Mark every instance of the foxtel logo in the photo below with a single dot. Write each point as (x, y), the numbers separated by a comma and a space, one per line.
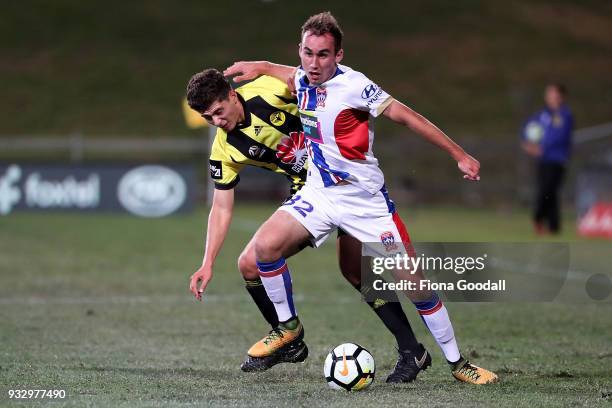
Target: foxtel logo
(41, 193)
(9, 193)
(64, 193)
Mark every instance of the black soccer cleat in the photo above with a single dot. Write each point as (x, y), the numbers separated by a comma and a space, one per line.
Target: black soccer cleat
(294, 352)
(409, 364)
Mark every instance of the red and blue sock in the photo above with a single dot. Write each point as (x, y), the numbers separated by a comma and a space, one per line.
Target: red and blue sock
(276, 278)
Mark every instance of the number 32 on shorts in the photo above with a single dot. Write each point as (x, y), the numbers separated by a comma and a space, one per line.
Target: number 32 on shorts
(302, 206)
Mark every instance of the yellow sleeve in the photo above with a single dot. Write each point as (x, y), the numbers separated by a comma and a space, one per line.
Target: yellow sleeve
(275, 91)
(223, 170)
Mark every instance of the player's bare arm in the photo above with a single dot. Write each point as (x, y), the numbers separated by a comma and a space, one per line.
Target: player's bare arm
(219, 220)
(403, 115)
(247, 70)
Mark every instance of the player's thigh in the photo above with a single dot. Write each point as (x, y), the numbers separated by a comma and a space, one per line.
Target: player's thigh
(280, 235)
(356, 265)
(312, 208)
(384, 234)
(247, 261)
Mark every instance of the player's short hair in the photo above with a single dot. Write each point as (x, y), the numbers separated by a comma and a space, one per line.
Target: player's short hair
(206, 88)
(561, 88)
(324, 23)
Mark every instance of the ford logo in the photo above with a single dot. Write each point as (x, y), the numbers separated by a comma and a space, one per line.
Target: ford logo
(152, 191)
(368, 91)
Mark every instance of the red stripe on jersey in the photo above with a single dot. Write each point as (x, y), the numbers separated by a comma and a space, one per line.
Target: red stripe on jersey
(304, 100)
(351, 132)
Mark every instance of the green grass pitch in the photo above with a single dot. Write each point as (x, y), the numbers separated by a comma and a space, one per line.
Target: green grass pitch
(99, 306)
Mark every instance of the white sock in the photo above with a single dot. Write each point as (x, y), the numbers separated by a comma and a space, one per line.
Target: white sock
(435, 316)
(276, 279)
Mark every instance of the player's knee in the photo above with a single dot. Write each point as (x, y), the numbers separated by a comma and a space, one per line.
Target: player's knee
(267, 248)
(247, 266)
(419, 295)
(266, 251)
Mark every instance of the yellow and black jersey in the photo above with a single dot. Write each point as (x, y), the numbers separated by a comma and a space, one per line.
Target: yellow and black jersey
(271, 136)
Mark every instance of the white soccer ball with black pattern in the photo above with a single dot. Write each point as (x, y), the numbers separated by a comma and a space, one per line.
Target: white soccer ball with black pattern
(349, 367)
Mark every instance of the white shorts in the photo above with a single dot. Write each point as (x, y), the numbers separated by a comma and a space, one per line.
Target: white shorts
(371, 219)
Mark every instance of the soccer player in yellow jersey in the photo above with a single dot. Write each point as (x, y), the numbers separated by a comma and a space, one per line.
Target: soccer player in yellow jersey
(258, 126)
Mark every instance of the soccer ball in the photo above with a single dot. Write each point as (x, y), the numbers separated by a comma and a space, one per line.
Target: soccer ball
(534, 132)
(349, 367)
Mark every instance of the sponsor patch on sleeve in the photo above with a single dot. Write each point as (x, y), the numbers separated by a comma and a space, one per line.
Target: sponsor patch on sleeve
(215, 169)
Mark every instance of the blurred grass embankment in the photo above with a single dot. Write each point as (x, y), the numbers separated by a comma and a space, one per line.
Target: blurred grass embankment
(475, 68)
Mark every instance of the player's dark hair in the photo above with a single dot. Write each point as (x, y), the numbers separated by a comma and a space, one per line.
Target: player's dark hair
(561, 88)
(206, 88)
(324, 23)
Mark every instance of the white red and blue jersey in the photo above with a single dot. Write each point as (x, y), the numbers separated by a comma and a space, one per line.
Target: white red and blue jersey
(337, 117)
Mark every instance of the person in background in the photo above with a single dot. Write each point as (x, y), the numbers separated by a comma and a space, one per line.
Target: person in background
(547, 136)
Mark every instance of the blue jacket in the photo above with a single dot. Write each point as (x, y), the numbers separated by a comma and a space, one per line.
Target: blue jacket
(557, 130)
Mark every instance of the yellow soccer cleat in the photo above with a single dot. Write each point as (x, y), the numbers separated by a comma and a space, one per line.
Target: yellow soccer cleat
(469, 373)
(295, 352)
(276, 340)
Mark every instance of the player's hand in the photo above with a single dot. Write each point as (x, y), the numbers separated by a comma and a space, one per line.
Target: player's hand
(470, 167)
(199, 281)
(244, 70)
(291, 84)
(532, 149)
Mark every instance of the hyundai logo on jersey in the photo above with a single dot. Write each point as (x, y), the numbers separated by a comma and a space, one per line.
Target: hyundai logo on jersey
(368, 91)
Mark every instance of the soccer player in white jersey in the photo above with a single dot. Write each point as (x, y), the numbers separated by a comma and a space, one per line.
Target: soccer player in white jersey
(345, 188)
